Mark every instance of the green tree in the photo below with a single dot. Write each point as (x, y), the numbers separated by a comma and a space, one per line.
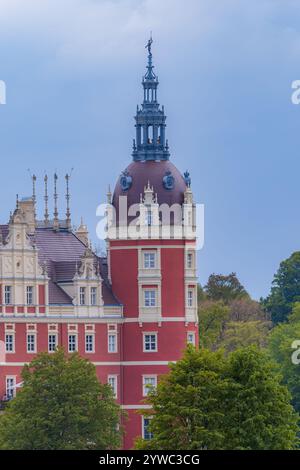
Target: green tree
(211, 401)
(281, 348)
(212, 320)
(224, 288)
(188, 405)
(238, 334)
(259, 415)
(61, 405)
(285, 289)
(240, 323)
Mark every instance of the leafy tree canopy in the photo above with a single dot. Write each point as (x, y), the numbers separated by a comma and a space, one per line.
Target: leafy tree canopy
(61, 405)
(224, 288)
(281, 348)
(211, 401)
(240, 323)
(285, 289)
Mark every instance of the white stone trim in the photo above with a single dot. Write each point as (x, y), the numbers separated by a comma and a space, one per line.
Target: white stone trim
(136, 407)
(112, 363)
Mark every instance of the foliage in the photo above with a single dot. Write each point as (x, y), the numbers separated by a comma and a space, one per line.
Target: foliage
(281, 350)
(212, 320)
(238, 334)
(211, 401)
(225, 288)
(240, 323)
(61, 405)
(285, 289)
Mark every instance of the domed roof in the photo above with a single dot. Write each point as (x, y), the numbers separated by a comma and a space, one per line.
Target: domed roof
(169, 191)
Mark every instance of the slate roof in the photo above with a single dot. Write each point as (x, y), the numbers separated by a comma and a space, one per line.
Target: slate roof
(61, 251)
(152, 172)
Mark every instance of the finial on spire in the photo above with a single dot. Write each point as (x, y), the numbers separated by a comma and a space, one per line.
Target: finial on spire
(46, 214)
(17, 201)
(34, 194)
(109, 195)
(55, 220)
(149, 44)
(68, 212)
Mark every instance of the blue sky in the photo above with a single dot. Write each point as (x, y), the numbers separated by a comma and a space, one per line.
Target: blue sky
(73, 73)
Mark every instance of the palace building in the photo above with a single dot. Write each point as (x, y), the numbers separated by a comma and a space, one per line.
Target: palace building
(131, 312)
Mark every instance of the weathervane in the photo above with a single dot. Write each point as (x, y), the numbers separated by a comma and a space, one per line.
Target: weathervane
(149, 44)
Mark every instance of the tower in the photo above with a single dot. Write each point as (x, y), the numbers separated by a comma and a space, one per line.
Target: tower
(152, 258)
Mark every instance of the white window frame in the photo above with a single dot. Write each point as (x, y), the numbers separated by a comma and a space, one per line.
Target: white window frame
(145, 386)
(12, 334)
(193, 334)
(152, 299)
(33, 334)
(143, 427)
(149, 217)
(93, 296)
(190, 297)
(113, 378)
(150, 333)
(149, 259)
(8, 292)
(190, 260)
(11, 387)
(115, 335)
(82, 295)
(92, 335)
(29, 295)
(56, 341)
(76, 342)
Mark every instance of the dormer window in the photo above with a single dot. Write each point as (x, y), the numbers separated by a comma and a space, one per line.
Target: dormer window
(82, 295)
(149, 217)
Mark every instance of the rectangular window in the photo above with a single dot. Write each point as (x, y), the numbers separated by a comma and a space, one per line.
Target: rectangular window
(190, 298)
(190, 260)
(150, 342)
(191, 338)
(149, 260)
(72, 343)
(10, 387)
(31, 343)
(149, 382)
(52, 342)
(150, 298)
(10, 343)
(147, 434)
(149, 218)
(89, 343)
(7, 295)
(93, 295)
(82, 295)
(29, 295)
(112, 343)
(113, 382)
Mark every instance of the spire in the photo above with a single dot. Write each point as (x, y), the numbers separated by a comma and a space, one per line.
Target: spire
(150, 142)
(68, 212)
(55, 213)
(150, 75)
(34, 194)
(46, 214)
